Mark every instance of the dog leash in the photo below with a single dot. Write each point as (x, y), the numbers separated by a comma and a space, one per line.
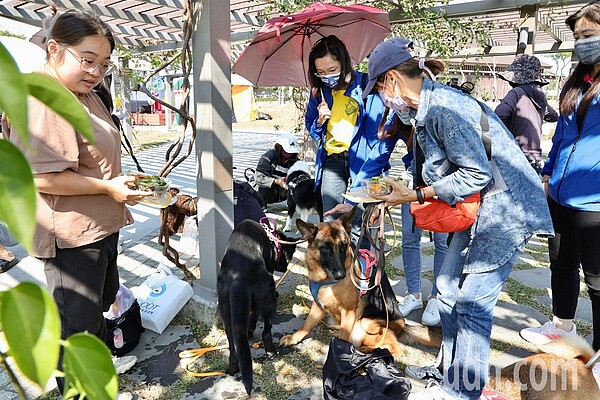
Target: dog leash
(595, 358)
(270, 227)
(195, 354)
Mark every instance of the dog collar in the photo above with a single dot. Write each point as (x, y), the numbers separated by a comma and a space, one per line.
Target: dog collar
(296, 181)
(314, 289)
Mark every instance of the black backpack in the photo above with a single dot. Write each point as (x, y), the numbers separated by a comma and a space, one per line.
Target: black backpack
(247, 203)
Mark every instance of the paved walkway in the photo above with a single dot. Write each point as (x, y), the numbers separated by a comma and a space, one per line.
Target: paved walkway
(159, 372)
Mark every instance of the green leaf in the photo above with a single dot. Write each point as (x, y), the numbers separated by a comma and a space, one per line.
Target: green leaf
(31, 326)
(61, 101)
(14, 93)
(88, 367)
(17, 194)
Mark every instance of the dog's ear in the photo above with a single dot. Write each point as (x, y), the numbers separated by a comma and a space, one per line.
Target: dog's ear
(348, 218)
(307, 230)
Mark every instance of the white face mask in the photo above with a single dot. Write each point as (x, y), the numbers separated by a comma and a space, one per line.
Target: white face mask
(588, 50)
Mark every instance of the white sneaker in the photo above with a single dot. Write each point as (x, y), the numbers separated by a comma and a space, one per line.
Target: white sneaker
(433, 391)
(431, 315)
(545, 333)
(410, 304)
(124, 396)
(124, 364)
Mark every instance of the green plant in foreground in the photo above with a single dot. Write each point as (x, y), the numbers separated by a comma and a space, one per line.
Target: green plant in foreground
(31, 326)
(29, 318)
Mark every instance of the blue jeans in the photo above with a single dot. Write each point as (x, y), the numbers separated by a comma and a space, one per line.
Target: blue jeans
(466, 304)
(411, 252)
(334, 182)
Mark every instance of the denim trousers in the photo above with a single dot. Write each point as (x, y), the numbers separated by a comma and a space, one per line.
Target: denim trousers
(466, 304)
(411, 252)
(334, 181)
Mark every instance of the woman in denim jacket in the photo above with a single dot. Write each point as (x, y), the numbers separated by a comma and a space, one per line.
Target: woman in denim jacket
(343, 125)
(513, 205)
(572, 173)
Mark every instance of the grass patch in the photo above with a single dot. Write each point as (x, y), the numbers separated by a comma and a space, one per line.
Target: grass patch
(520, 294)
(523, 267)
(428, 251)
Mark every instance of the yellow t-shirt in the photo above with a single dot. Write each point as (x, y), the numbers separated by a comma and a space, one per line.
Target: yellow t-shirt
(340, 127)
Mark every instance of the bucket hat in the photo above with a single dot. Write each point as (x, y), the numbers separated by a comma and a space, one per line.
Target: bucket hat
(524, 69)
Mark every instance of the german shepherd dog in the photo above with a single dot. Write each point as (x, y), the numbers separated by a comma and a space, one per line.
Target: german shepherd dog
(329, 259)
(558, 372)
(245, 290)
(301, 194)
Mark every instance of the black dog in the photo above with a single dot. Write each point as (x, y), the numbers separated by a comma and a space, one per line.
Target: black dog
(301, 194)
(246, 289)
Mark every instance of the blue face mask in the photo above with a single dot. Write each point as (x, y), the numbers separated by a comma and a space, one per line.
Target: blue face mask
(588, 50)
(407, 116)
(330, 80)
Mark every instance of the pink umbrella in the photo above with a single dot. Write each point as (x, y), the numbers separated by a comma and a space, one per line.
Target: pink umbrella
(278, 54)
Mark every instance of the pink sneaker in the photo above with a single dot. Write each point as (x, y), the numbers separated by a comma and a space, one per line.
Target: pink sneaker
(488, 394)
(545, 333)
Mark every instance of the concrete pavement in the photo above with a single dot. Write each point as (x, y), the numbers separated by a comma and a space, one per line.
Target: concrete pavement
(159, 370)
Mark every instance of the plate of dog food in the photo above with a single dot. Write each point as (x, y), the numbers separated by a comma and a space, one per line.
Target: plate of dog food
(155, 184)
(375, 185)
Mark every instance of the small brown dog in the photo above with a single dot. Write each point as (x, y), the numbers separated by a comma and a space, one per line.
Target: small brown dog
(185, 206)
(557, 373)
(329, 259)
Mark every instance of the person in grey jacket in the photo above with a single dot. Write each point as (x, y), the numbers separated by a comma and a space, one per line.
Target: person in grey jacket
(271, 171)
(525, 107)
(513, 206)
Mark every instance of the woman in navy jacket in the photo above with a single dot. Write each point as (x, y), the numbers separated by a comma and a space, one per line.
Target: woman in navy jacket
(572, 178)
(343, 125)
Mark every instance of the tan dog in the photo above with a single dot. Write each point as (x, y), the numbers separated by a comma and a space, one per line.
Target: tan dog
(329, 258)
(558, 373)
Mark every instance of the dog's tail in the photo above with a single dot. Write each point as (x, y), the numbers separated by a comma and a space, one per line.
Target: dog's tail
(376, 328)
(418, 334)
(569, 348)
(240, 311)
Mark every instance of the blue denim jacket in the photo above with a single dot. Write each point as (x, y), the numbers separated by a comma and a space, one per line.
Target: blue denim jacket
(513, 205)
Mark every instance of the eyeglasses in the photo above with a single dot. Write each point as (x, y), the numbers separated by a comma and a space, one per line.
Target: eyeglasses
(90, 66)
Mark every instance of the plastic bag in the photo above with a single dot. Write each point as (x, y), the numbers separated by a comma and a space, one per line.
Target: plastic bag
(123, 302)
(189, 238)
(161, 296)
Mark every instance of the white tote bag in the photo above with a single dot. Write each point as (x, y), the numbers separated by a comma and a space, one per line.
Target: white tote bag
(161, 296)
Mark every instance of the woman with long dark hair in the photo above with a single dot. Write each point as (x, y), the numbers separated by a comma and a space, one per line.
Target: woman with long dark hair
(455, 165)
(344, 126)
(81, 195)
(571, 176)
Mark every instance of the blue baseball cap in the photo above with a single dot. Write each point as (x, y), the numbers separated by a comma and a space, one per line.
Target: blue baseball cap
(387, 55)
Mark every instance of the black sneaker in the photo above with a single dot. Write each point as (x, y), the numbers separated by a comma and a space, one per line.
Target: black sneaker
(5, 265)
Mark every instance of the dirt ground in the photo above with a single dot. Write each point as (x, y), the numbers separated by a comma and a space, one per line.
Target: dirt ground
(285, 118)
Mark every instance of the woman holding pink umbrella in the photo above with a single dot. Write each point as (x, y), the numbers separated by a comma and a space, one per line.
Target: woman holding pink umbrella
(343, 125)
